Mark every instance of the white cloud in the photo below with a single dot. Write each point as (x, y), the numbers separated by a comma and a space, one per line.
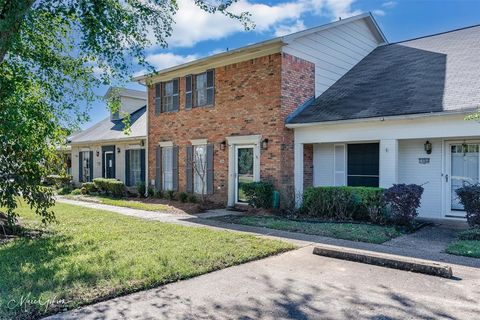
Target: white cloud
(379, 12)
(166, 60)
(389, 4)
(341, 8)
(284, 29)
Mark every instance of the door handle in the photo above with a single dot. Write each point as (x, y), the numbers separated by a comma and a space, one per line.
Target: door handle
(446, 178)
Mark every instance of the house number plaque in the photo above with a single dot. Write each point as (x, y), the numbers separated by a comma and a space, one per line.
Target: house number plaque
(423, 160)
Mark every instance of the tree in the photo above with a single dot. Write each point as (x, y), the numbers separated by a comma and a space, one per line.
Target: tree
(49, 50)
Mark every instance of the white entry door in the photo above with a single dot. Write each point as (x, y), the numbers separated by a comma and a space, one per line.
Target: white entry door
(463, 167)
(244, 170)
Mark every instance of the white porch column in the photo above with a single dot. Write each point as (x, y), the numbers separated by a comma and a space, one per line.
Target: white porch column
(298, 172)
(388, 163)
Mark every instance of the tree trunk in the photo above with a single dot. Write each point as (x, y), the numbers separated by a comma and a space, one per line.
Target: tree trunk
(12, 14)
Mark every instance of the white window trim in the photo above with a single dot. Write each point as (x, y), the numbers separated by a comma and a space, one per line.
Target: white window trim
(253, 139)
(164, 144)
(344, 171)
(199, 142)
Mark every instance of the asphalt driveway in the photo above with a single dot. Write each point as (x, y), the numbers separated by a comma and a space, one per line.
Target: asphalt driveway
(300, 285)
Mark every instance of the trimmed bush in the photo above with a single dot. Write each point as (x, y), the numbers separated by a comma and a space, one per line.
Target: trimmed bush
(404, 200)
(110, 186)
(59, 181)
(89, 187)
(470, 198)
(64, 190)
(344, 203)
(141, 188)
(170, 195)
(259, 194)
(192, 198)
(76, 192)
(470, 234)
(151, 192)
(183, 197)
(159, 194)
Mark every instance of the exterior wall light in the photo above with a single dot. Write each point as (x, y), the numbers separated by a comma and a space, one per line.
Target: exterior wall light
(223, 145)
(118, 150)
(428, 147)
(265, 144)
(98, 153)
(142, 143)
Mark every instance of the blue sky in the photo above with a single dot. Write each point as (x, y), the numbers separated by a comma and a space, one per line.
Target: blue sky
(197, 34)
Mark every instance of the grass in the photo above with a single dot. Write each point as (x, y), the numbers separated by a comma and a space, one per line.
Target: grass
(348, 231)
(469, 248)
(123, 203)
(91, 255)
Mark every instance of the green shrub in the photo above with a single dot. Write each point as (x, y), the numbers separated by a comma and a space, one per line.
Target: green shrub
(192, 198)
(470, 198)
(470, 234)
(344, 203)
(113, 187)
(76, 192)
(404, 200)
(59, 181)
(159, 194)
(151, 192)
(170, 195)
(89, 187)
(64, 190)
(183, 197)
(141, 188)
(259, 194)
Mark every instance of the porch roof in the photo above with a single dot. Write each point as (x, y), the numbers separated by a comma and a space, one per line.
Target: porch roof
(438, 73)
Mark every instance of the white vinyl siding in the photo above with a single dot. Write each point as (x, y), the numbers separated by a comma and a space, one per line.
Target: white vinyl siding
(334, 51)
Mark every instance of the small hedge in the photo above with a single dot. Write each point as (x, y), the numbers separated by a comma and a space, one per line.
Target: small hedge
(89, 187)
(110, 186)
(345, 203)
(470, 198)
(470, 234)
(259, 194)
(59, 181)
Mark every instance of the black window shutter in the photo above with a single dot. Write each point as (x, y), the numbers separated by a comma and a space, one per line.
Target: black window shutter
(80, 167)
(158, 168)
(158, 98)
(142, 166)
(189, 169)
(91, 166)
(210, 87)
(188, 92)
(127, 168)
(176, 101)
(175, 168)
(210, 169)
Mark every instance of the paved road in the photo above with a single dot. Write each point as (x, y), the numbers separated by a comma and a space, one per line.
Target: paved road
(300, 285)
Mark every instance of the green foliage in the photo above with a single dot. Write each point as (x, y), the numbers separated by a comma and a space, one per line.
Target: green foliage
(76, 192)
(259, 194)
(159, 194)
(192, 198)
(170, 195)
(183, 197)
(470, 198)
(151, 192)
(52, 55)
(141, 188)
(113, 187)
(58, 180)
(89, 187)
(345, 203)
(470, 234)
(64, 190)
(404, 200)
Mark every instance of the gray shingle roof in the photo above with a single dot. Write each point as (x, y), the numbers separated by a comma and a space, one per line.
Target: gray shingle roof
(113, 130)
(430, 74)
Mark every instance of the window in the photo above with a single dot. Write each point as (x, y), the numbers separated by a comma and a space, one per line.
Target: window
(170, 96)
(200, 169)
(86, 166)
(363, 164)
(167, 168)
(204, 89)
(135, 167)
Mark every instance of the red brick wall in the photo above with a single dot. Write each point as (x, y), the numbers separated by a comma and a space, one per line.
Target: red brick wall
(250, 99)
(307, 165)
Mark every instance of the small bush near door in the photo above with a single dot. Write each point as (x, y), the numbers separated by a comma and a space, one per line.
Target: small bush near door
(110, 186)
(470, 199)
(259, 194)
(404, 200)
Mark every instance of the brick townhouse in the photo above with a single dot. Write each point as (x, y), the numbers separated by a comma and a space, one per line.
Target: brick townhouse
(219, 122)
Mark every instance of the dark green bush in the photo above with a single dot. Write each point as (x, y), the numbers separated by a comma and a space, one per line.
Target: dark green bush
(470, 198)
(113, 187)
(344, 203)
(470, 234)
(141, 188)
(151, 192)
(59, 181)
(76, 192)
(192, 198)
(170, 195)
(259, 194)
(404, 200)
(64, 190)
(183, 197)
(89, 187)
(159, 194)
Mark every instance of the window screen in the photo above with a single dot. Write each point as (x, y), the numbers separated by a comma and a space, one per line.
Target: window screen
(363, 164)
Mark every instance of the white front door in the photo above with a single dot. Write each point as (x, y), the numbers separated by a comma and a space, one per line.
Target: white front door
(462, 167)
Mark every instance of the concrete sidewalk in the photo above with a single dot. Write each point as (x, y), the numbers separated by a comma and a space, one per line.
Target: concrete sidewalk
(299, 285)
(423, 244)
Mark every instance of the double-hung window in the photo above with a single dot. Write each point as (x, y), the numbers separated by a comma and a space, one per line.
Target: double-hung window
(167, 168)
(166, 96)
(200, 169)
(363, 161)
(200, 89)
(135, 167)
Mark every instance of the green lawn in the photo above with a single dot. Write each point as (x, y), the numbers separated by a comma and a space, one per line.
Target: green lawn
(469, 248)
(122, 203)
(91, 255)
(348, 231)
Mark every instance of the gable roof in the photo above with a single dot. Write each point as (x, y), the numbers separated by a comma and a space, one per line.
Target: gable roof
(258, 49)
(438, 73)
(112, 130)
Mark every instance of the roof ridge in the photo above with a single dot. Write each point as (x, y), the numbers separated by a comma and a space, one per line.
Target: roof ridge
(437, 34)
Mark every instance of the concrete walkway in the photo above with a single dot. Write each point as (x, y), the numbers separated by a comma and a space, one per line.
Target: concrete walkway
(299, 285)
(424, 244)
